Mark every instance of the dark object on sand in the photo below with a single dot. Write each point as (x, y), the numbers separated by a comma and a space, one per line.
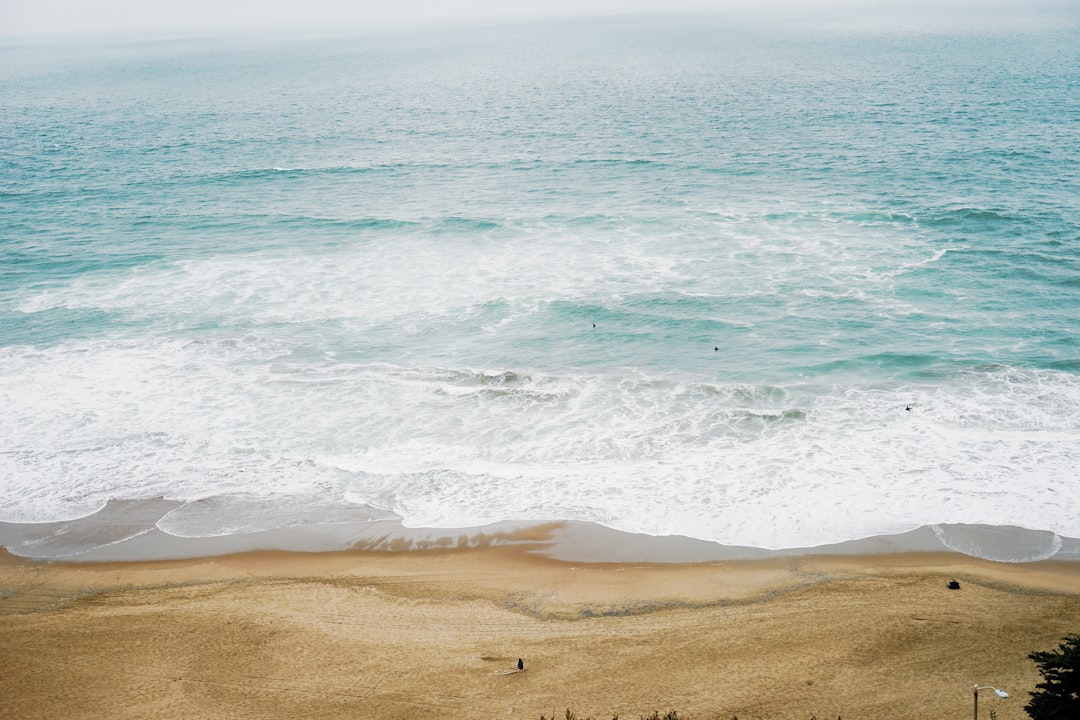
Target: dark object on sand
(953, 585)
(521, 664)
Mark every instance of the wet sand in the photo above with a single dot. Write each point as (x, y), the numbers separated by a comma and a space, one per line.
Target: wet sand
(434, 635)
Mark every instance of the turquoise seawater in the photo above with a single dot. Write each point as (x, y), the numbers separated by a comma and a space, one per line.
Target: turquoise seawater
(764, 286)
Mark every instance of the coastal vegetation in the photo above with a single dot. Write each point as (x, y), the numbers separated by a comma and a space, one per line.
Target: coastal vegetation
(1057, 697)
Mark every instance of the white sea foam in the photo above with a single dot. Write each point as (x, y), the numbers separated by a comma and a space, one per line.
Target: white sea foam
(368, 285)
(245, 409)
(421, 275)
(772, 467)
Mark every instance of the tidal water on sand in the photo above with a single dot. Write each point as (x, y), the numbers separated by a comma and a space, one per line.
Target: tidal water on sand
(773, 287)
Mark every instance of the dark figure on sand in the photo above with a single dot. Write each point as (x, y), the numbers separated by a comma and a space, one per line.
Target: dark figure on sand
(521, 664)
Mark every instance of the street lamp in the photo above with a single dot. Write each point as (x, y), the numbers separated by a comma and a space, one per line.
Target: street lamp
(1000, 693)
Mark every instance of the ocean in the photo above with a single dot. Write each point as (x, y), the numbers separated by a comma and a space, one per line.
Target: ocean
(767, 286)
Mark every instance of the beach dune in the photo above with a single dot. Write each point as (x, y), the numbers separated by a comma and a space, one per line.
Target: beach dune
(433, 634)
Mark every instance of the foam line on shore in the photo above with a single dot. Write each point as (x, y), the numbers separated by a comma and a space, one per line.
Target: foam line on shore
(126, 531)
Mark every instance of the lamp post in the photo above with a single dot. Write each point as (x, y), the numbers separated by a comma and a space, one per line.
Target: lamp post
(1000, 693)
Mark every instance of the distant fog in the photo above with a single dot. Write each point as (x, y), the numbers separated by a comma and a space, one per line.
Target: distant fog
(64, 17)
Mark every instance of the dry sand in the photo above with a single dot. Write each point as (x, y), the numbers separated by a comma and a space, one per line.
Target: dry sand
(432, 635)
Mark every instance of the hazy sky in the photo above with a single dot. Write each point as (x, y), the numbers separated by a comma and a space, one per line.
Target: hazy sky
(46, 17)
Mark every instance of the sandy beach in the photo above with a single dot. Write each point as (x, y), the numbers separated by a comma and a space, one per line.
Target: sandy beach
(438, 634)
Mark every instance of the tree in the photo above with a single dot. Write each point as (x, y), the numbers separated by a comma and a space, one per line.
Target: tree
(1058, 695)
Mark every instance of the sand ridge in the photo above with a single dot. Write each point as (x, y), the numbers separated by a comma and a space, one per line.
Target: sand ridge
(432, 635)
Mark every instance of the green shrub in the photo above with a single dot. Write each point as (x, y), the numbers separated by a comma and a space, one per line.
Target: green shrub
(1058, 695)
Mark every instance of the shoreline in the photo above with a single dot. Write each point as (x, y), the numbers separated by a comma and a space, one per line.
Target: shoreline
(432, 633)
(127, 531)
(745, 579)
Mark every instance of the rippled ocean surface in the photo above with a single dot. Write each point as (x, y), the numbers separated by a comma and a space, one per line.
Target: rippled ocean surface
(774, 286)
